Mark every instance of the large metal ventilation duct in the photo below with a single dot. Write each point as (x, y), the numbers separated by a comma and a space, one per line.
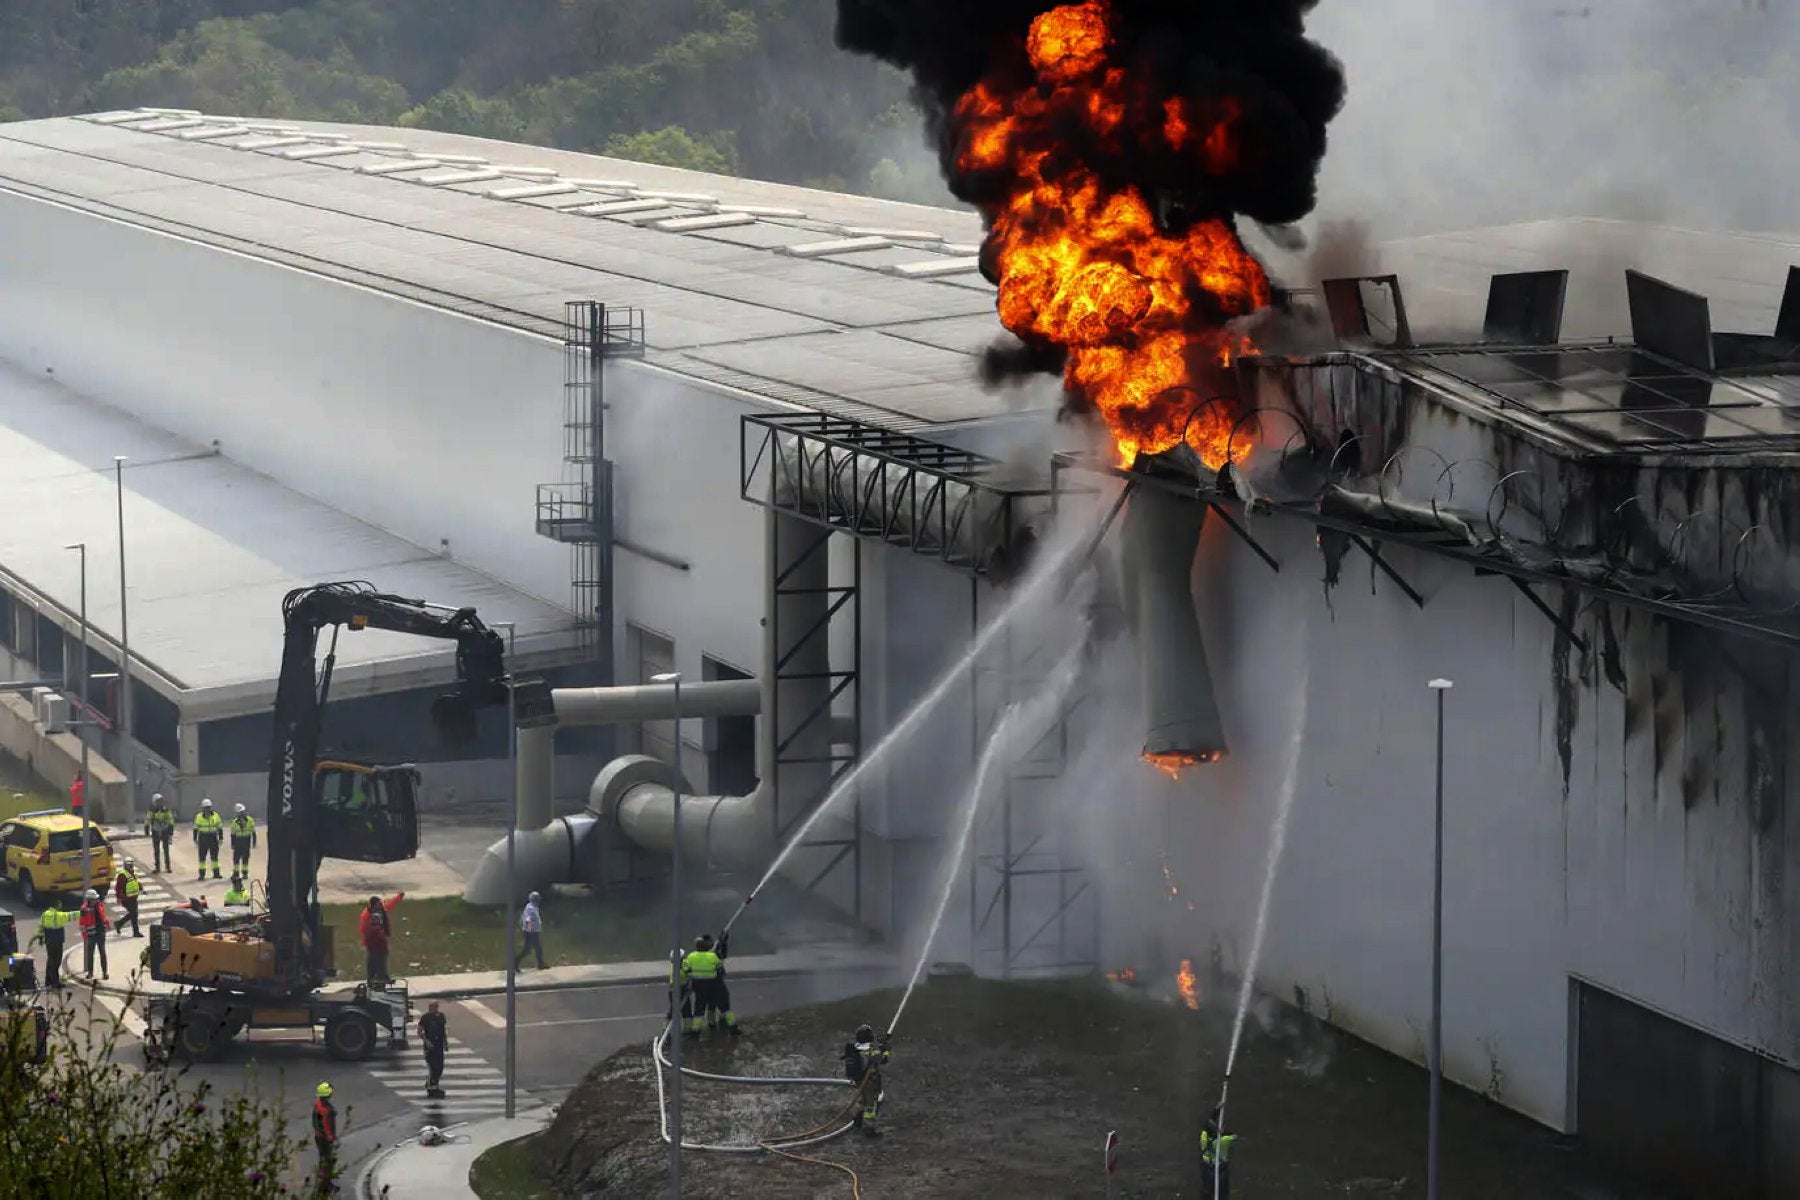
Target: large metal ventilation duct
(1160, 536)
(634, 793)
(935, 513)
(739, 832)
(555, 850)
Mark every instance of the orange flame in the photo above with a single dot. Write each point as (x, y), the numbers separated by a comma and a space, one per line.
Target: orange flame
(1141, 310)
(1173, 762)
(1122, 975)
(1189, 983)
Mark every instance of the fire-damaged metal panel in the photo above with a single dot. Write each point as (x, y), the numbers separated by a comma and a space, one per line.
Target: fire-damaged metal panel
(1526, 307)
(1670, 321)
(1351, 319)
(1787, 324)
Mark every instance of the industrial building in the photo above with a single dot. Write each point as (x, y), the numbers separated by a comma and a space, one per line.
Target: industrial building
(669, 422)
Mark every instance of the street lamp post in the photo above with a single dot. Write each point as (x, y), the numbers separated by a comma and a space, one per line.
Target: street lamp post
(512, 886)
(675, 955)
(127, 755)
(87, 859)
(1435, 1120)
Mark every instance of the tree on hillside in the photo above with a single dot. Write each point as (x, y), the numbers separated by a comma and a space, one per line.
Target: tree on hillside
(673, 146)
(225, 67)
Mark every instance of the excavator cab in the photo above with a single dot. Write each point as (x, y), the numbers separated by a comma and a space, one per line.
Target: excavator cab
(367, 813)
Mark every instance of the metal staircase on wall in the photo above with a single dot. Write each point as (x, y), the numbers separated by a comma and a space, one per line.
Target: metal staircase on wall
(578, 510)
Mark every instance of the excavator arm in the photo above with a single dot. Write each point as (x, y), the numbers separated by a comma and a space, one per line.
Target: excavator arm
(294, 812)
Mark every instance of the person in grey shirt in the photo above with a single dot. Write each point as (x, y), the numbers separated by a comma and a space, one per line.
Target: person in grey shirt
(531, 924)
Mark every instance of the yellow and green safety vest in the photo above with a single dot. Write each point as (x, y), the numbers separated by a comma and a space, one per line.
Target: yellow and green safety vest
(700, 964)
(208, 822)
(243, 827)
(1209, 1145)
(236, 896)
(132, 887)
(55, 918)
(161, 820)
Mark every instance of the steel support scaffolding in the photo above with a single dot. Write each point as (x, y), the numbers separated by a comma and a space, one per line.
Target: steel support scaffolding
(810, 757)
(876, 485)
(1032, 908)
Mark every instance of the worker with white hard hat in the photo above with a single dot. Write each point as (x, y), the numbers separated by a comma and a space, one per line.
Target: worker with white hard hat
(243, 836)
(159, 823)
(94, 927)
(209, 828)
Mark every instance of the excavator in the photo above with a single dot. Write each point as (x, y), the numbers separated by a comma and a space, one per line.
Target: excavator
(269, 970)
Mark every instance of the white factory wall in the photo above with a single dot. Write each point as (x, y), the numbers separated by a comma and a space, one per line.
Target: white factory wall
(676, 490)
(1613, 881)
(427, 424)
(444, 786)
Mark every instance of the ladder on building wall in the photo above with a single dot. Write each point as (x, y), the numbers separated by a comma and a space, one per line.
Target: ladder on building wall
(577, 510)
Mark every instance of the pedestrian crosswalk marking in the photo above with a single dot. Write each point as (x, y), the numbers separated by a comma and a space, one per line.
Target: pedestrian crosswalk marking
(485, 1013)
(472, 1087)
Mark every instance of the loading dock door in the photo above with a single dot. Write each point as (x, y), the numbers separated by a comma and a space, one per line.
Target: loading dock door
(1668, 1102)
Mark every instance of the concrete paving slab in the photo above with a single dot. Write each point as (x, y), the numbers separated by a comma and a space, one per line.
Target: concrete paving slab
(410, 1171)
(339, 882)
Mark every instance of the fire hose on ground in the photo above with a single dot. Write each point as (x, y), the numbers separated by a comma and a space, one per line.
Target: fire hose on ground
(782, 1145)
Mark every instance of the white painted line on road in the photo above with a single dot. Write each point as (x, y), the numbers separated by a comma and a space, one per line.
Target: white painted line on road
(129, 1017)
(485, 1013)
(589, 1020)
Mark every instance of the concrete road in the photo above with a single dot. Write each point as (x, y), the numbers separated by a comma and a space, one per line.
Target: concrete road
(561, 1034)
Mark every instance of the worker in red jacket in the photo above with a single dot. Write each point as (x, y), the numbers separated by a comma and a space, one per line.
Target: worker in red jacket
(94, 927)
(377, 931)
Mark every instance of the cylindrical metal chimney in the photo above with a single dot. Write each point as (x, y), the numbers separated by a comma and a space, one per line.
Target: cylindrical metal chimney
(1160, 536)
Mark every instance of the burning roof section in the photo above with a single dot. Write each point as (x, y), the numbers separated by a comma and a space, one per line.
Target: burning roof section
(1663, 472)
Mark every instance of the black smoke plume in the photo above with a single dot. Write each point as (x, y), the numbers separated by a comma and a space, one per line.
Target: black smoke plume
(1251, 54)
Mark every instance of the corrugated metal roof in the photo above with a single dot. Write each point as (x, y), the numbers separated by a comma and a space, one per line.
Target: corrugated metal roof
(212, 548)
(488, 247)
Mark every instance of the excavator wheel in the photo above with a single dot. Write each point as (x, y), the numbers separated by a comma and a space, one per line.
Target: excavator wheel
(350, 1035)
(200, 1030)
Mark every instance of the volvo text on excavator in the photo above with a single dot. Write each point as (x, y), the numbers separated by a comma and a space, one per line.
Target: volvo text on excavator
(267, 969)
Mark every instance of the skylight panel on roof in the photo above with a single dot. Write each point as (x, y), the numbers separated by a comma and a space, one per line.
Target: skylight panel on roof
(706, 221)
(761, 210)
(895, 235)
(574, 198)
(379, 145)
(273, 143)
(171, 124)
(214, 131)
(123, 118)
(527, 172)
(837, 246)
(932, 268)
(301, 154)
(605, 185)
(531, 191)
(664, 210)
(465, 160)
(613, 208)
(447, 178)
(400, 164)
(962, 247)
(172, 112)
(682, 197)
